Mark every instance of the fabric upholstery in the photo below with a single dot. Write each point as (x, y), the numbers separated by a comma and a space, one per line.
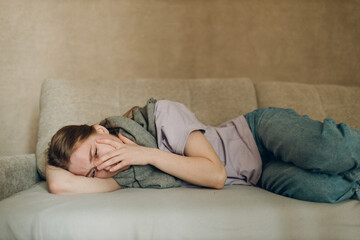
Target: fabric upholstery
(17, 173)
(66, 102)
(318, 101)
(236, 212)
(341, 103)
(182, 213)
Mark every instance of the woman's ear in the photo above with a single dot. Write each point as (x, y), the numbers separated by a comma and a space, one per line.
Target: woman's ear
(100, 129)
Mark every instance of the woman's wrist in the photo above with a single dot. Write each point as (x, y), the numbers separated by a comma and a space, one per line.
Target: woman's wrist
(152, 156)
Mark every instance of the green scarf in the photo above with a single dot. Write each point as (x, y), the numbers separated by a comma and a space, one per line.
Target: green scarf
(141, 130)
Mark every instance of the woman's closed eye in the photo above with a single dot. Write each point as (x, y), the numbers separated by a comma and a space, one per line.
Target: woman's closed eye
(93, 173)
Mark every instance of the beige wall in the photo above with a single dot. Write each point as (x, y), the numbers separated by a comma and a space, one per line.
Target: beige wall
(270, 40)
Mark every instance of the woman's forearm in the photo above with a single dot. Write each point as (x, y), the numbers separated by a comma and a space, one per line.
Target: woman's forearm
(195, 170)
(200, 165)
(63, 182)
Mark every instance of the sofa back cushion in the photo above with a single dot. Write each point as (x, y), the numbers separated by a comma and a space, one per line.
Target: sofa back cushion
(65, 102)
(341, 103)
(214, 101)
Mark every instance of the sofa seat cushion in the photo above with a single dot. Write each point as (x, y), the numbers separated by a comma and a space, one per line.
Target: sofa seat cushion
(236, 212)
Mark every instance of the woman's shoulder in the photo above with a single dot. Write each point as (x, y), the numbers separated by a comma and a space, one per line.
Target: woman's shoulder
(173, 111)
(166, 102)
(170, 106)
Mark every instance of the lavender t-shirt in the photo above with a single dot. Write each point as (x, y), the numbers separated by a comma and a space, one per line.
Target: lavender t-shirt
(232, 141)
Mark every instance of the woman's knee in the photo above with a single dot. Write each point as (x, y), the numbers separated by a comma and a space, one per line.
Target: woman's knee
(339, 146)
(288, 180)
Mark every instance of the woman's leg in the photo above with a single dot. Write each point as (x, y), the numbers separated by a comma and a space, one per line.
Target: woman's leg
(326, 147)
(291, 181)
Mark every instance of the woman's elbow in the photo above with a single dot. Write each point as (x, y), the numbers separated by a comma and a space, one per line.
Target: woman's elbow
(57, 188)
(221, 179)
(219, 186)
(53, 188)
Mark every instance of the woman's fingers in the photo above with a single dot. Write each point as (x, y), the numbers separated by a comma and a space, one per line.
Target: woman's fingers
(118, 166)
(110, 154)
(115, 160)
(114, 164)
(125, 139)
(108, 168)
(109, 163)
(106, 157)
(110, 142)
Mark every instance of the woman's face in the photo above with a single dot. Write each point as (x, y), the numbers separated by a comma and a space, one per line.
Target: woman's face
(82, 160)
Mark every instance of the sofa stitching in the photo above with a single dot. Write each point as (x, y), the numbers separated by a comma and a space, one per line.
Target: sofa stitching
(189, 90)
(256, 94)
(320, 100)
(118, 97)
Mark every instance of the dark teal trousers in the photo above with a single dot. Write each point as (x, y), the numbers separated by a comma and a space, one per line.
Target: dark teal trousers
(304, 158)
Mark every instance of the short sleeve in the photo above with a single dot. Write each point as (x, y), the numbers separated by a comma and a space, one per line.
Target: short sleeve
(174, 123)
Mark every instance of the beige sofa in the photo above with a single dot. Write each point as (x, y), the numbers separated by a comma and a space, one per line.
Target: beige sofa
(29, 211)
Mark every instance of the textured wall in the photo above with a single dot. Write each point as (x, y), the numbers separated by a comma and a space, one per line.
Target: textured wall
(268, 40)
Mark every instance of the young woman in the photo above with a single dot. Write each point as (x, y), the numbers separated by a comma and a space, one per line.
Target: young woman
(272, 148)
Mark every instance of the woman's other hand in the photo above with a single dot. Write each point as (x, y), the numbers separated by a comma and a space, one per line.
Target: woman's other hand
(125, 154)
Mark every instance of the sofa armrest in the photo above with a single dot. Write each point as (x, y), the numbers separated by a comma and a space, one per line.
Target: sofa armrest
(17, 173)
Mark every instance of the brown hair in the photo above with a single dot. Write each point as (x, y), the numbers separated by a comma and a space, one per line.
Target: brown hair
(65, 141)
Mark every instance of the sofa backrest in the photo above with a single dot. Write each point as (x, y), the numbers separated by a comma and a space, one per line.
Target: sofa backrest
(319, 101)
(214, 101)
(65, 102)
